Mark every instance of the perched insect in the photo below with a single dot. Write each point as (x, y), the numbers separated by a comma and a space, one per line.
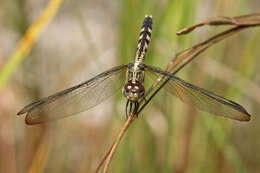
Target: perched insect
(92, 92)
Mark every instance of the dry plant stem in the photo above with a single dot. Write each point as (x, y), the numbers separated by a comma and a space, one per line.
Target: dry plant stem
(104, 159)
(129, 121)
(203, 45)
(42, 155)
(245, 20)
(183, 55)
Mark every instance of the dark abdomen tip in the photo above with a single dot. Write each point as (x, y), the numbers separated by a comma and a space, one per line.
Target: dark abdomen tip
(148, 21)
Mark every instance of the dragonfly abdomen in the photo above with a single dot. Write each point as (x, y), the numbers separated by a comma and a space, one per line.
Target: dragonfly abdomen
(144, 39)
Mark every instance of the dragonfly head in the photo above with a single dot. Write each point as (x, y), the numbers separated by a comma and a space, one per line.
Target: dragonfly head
(133, 91)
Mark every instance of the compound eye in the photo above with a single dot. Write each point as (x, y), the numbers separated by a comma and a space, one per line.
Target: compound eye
(139, 88)
(129, 86)
(134, 88)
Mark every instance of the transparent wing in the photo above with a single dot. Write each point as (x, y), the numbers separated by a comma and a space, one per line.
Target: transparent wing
(201, 98)
(75, 99)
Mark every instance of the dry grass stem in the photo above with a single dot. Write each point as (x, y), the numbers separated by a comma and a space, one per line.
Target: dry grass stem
(245, 20)
(130, 119)
(112, 150)
(42, 154)
(104, 159)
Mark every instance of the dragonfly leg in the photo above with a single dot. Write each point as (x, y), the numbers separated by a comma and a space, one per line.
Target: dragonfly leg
(126, 109)
(136, 108)
(143, 99)
(131, 108)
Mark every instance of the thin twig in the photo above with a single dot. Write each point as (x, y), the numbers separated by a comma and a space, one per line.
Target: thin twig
(129, 121)
(104, 159)
(245, 20)
(42, 154)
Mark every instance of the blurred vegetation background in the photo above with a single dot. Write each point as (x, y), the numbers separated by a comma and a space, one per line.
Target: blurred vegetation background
(87, 37)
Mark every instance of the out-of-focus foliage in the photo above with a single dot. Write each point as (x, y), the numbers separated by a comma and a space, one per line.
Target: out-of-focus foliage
(88, 37)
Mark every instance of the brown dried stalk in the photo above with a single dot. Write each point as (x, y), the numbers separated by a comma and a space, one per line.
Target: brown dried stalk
(105, 158)
(130, 119)
(245, 20)
(182, 59)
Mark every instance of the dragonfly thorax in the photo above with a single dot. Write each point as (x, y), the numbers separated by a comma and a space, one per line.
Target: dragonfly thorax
(133, 89)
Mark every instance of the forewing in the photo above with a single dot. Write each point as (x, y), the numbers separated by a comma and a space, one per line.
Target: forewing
(76, 99)
(201, 98)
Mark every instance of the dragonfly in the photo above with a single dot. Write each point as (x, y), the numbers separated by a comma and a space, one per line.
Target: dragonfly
(92, 92)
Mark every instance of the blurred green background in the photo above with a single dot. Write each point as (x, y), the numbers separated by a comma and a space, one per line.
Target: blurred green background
(88, 37)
